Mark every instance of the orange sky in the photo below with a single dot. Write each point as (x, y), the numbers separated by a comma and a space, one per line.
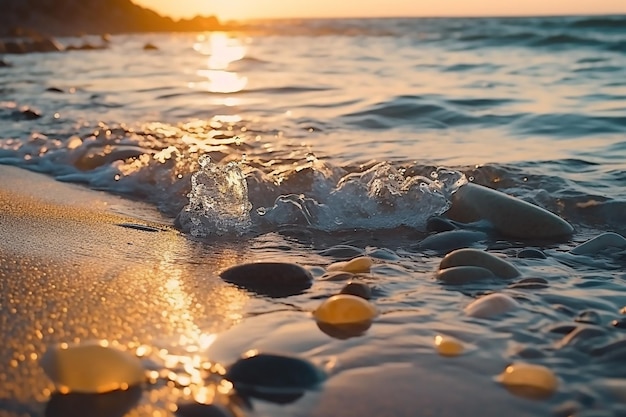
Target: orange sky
(250, 9)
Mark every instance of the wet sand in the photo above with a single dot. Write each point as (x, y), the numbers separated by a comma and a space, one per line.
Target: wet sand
(75, 267)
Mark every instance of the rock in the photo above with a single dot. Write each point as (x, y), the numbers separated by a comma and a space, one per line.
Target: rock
(451, 240)
(440, 224)
(531, 253)
(459, 275)
(275, 279)
(530, 284)
(345, 309)
(92, 367)
(266, 372)
(479, 258)
(355, 266)
(337, 276)
(599, 243)
(510, 216)
(26, 113)
(491, 305)
(150, 47)
(346, 330)
(359, 289)
(448, 346)
(529, 375)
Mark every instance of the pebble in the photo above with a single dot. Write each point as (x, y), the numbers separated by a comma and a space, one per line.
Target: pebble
(530, 284)
(599, 243)
(359, 289)
(439, 224)
(111, 404)
(344, 331)
(448, 346)
(272, 371)
(357, 265)
(529, 375)
(531, 253)
(509, 215)
(480, 258)
(345, 309)
(337, 276)
(276, 279)
(459, 275)
(491, 305)
(450, 240)
(92, 367)
(150, 47)
(343, 252)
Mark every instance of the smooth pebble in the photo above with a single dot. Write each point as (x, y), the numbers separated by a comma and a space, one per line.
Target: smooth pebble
(345, 309)
(360, 289)
(458, 275)
(599, 243)
(448, 346)
(529, 375)
(355, 266)
(480, 258)
(277, 279)
(509, 215)
(92, 367)
(491, 305)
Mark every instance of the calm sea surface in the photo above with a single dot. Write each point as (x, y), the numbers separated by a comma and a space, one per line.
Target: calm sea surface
(327, 118)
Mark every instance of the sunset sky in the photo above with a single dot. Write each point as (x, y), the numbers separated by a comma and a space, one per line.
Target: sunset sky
(251, 9)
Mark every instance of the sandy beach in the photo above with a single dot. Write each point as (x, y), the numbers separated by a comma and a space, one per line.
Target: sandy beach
(74, 266)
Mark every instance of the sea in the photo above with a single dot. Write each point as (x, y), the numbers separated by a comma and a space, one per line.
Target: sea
(327, 139)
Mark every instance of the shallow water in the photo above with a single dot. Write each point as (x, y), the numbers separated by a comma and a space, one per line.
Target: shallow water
(355, 132)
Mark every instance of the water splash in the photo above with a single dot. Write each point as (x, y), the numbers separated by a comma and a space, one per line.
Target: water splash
(218, 201)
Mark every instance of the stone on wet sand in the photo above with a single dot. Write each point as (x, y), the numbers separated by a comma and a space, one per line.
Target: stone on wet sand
(337, 276)
(92, 367)
(491, 305)
(357, 265)
(276, 279)
(360, 289)
(510, 216)
(529, 375)
(448, 346)
(459, 275)
(479, 258)
(452, 239)
(264, 371)
(599, 243)
(345, 309)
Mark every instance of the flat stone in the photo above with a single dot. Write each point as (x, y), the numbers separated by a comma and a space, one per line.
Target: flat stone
(510, 216)
(491, 305)
(360, 289)
(474, 257)
(276, 279)
(452, 239)
(599, 243)
(459, 275)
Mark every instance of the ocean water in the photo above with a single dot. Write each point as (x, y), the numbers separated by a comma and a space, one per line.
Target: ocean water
(328, 139)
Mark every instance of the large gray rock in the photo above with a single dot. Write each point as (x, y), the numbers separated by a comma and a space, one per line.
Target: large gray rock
(510, 216)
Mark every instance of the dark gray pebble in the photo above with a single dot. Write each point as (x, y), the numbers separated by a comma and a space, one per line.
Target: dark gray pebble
(359, 289)
(267, 372)
(201, 410)
(531, 253)
(275, 279)
(440, 224)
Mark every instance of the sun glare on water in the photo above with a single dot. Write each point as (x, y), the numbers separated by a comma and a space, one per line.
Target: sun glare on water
(221, 50)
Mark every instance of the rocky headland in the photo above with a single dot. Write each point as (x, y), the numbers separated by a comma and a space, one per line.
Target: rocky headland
(30, 25)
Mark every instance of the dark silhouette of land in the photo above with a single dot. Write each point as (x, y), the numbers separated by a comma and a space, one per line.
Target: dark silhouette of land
(46, 18)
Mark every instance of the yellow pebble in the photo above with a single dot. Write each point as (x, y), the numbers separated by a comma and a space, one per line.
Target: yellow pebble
(355, 266)
(448, 346)
(529, 375)
(345, 309)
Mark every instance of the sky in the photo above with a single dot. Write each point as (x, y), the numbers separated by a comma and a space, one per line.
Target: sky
(253, 9)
